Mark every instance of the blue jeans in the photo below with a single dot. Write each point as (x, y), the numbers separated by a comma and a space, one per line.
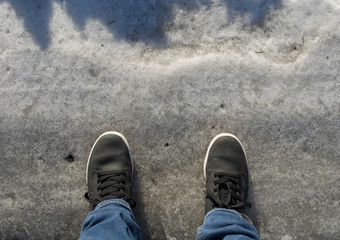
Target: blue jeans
(113, 219)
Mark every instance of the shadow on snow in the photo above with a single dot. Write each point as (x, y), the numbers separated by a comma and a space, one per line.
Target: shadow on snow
(130, 20)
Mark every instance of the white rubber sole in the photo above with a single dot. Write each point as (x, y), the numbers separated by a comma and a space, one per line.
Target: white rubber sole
(108, 133)
(213, 141)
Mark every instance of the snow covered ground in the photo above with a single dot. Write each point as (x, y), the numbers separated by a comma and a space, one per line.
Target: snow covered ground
(170, 75)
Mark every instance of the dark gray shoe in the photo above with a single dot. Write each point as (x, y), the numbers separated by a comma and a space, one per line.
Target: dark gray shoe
(109, 170)
(226, 174)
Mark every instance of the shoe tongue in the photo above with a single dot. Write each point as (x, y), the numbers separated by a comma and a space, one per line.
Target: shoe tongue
(224, 194)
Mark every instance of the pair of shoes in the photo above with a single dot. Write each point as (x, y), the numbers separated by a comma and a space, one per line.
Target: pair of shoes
(110, 169)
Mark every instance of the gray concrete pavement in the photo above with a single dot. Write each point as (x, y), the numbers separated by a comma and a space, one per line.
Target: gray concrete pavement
(170, 77)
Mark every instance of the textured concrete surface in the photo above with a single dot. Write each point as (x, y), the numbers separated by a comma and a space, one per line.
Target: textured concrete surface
(170, 75)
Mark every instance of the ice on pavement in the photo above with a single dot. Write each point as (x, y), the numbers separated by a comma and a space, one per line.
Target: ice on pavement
(165, 32)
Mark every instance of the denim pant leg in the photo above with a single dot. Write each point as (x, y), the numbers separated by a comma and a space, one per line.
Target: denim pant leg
(111, 219)
(226, 224)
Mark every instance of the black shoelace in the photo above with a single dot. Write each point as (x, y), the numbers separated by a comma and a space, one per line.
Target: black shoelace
(111, 185)
(229, 191)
